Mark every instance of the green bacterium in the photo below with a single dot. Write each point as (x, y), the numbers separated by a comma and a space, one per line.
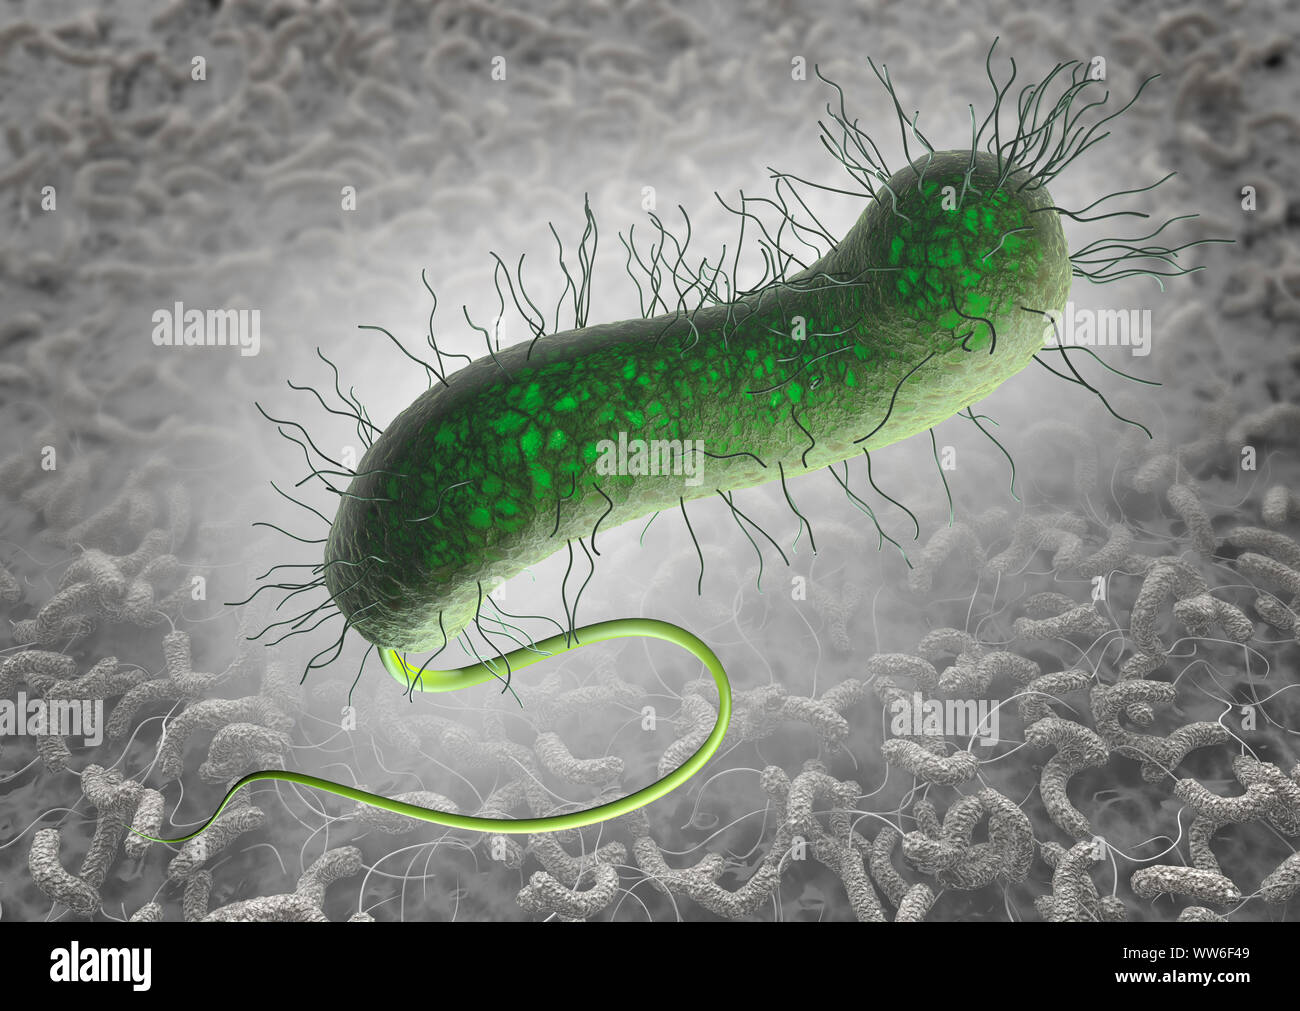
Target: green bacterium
(936, 296)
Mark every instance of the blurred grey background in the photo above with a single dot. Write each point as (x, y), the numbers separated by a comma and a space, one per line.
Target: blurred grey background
(235, 190)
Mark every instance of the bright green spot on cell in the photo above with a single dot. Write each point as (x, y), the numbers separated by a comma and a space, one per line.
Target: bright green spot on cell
(531, 442)
(558, 440)
(566, 404)
(637, 418)
(510, 421)
(532, 396)
(479, 517)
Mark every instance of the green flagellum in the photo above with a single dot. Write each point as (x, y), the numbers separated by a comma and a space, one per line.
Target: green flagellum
(934, 298)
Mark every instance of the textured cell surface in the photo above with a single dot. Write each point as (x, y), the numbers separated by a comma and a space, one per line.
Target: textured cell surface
(932, 300)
